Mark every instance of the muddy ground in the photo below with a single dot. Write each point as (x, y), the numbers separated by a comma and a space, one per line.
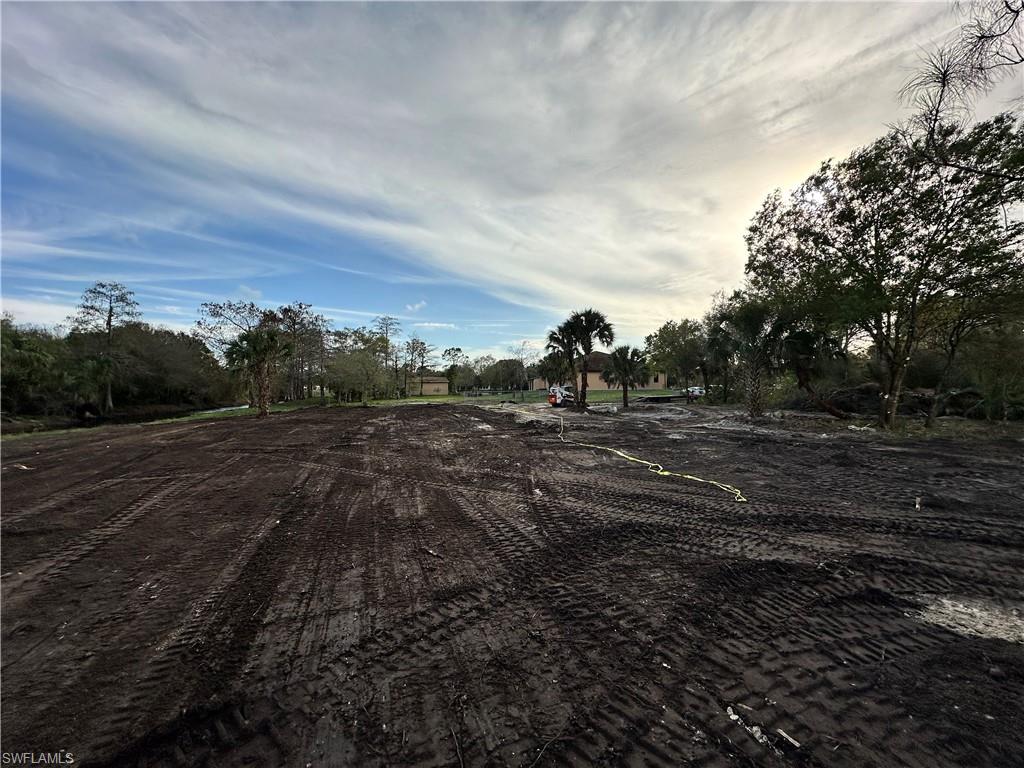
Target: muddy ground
(449, 585)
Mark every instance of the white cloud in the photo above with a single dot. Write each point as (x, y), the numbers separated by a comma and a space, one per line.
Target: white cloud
(437, 326)
(250, 293)
(55, 314)
(32, 312)
(558, 156)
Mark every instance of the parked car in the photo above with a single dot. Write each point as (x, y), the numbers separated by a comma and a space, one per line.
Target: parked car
(559, 396)
(695, 392)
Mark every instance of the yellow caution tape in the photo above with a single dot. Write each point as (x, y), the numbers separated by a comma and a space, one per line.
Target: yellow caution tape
(652, 466)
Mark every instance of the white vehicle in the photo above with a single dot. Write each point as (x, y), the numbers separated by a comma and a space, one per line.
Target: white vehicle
(559, 396)
(695, 391)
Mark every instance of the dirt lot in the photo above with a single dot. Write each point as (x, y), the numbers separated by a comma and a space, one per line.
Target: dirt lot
(449, 585)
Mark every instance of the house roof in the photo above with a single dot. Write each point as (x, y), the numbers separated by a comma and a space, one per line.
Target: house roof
(598, 360)
(434, 380)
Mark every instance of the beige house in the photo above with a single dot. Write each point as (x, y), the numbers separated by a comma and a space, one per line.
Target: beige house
(659, 379)
(431, 385)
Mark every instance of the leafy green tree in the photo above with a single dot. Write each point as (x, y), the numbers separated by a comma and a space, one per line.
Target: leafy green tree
(679, 349)
(953, 321)
(360, 363)
(504, 374)
(993, 361)
(807, 350)
(588, 327)
(554, 369)
(31, 361)
(170, 367)
(456, 362)
(104, 308)
(877, 241)
(719, 345)
(626, 368)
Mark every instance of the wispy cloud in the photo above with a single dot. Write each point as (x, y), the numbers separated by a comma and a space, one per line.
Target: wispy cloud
(170, 309)
(553, 157)
(437, 326)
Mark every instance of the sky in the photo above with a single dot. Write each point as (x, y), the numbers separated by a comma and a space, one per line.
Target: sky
(475, 170)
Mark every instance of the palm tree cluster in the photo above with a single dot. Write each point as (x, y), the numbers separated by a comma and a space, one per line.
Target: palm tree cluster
(573, 343)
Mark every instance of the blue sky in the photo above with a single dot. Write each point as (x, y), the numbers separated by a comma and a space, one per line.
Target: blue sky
(475, 170)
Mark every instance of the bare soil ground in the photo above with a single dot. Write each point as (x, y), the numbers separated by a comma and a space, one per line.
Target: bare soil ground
(451, 585)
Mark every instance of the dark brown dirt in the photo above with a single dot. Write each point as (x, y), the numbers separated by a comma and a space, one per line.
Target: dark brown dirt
(453, 586)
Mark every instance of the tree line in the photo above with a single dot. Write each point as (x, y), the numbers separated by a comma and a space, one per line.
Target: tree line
(884, 268)
(112, 363)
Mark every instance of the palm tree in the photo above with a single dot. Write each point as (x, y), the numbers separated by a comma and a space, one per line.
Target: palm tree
(563, 345)
(586, 327)
(627, 368)
(255, 353)
(757, 329)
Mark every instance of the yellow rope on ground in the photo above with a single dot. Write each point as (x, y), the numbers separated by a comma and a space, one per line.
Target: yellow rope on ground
(652, 466)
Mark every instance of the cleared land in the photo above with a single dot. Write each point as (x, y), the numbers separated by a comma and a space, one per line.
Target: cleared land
(451, 585)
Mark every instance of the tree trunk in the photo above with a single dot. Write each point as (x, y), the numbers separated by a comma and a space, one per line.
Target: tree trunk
(940, 392)
(891, 399)
(933, 410)
(108, 405)
(625, 396)
(583, 383)
(323, 391)
(725, 385)
(805, 384)
(755, 405)
(263, 388)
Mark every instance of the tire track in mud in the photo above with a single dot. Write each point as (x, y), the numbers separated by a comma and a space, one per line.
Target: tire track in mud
(512, 540)
(131, 624)
(439, 591)
(190, 669)
(39, 573)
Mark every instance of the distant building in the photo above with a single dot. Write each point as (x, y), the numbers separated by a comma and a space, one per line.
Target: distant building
(598, 360)
(431, 385)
